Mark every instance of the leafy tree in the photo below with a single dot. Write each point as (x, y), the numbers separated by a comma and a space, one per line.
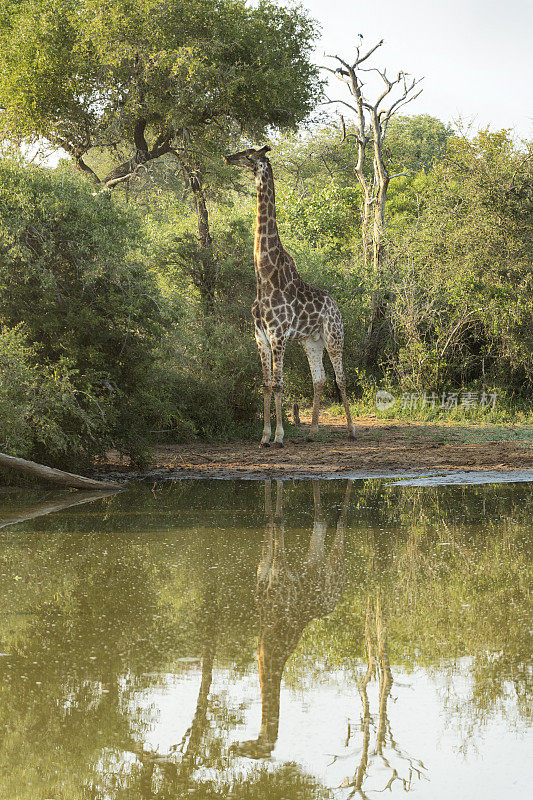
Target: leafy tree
(155, 77)
(100, 73)
(462, 308)
(459, 250)
(325, 217)
(416, 142)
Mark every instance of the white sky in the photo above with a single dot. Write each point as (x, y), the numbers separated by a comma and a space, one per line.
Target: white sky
(476, 55)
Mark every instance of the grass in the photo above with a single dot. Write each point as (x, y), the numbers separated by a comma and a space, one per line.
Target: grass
(488, 407)
(458, 426)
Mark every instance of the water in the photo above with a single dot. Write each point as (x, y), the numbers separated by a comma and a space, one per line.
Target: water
(392, 623)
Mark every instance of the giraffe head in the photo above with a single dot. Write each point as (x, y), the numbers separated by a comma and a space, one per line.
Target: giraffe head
(255, 160)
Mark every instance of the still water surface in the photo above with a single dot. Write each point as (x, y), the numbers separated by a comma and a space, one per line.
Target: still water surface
(254, 641)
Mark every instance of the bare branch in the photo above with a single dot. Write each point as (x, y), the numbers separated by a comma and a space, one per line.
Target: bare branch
(339, 59)
(342, 102)
(402, 102)
(364, 58)
(326, 166)
(343, 126)
(345, 134)
(372, 124)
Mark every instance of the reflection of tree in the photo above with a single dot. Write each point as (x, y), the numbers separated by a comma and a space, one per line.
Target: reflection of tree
(52, 502)
(89, 618)
(179, 764)
(62, 684)
(288, 599)
(386, 749)
(457, 567)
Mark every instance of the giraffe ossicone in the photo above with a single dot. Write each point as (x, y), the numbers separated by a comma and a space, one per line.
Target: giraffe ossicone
(287, 308)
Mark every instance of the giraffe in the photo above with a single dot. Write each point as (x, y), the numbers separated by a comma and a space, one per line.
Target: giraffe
(287, 308)
(288, 599)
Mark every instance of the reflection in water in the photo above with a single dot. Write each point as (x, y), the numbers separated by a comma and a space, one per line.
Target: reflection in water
(129, 628)
(289, 598)
(378, 665)
(54, 501)
(177, 767)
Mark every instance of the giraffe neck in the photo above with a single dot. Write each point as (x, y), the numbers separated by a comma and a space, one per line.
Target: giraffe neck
(266, 224)
(267, 245)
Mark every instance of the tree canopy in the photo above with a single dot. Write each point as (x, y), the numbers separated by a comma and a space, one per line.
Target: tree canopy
(93, 73)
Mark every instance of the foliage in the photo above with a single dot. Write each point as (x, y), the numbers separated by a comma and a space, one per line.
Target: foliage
(213, 357)
(40, 408)
(92, 313)
(100, 73)
(463, 311)
(327, 217)
(415, 142)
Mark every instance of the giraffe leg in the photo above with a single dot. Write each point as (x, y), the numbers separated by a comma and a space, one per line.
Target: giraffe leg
(267, 400)
(268, 541)
(266, 363)
(279, 501)
(278, 351)
(334, 344)
(314, 351)
(315, 552)
(335, 573)
(338, 542)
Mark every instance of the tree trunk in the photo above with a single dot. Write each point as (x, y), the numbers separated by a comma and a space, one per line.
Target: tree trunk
(366, 229)
(366, 211)
(128, 169)
(370, 114)
(377, 327)
(207, 280)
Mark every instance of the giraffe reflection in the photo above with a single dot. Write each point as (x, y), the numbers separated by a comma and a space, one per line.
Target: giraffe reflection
(288, 599)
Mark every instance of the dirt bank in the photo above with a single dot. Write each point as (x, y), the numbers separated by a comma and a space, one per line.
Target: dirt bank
(381, 445)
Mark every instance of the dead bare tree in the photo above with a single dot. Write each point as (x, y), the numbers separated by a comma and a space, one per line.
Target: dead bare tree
(370, 129)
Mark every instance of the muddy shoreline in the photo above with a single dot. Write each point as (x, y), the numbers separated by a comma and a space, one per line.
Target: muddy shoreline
(383, 448)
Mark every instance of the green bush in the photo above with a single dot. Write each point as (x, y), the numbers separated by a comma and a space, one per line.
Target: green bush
(212, 358)
(72, 274)
(217, 374)
(40, 409)
(461, 311)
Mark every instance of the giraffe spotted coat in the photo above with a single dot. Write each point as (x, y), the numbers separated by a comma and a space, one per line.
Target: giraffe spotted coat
(286, 307)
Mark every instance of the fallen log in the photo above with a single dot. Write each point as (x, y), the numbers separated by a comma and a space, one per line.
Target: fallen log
(54, 475)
